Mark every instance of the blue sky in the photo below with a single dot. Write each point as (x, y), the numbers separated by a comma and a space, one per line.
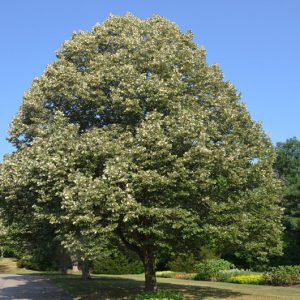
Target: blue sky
(256, 42)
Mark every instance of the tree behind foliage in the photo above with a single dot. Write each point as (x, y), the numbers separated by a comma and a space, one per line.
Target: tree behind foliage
(4, 240)
(117, 261)
(288, 167)
(131, 126)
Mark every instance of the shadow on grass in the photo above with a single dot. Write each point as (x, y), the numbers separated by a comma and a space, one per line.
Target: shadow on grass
(120, 288)
(201, 292)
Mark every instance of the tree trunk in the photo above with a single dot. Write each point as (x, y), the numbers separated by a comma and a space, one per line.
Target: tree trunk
(149, 266)
(64, 259)
(85, 269)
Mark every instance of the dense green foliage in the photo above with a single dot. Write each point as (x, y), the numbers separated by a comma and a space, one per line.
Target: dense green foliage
(210, 269)
(183, 263)
(283, 275)
(166, 274)
(162, 294)
(248, 279)
(131, 133)
(46, 254)
(34, 263)
(225, 275)
(4, 240)
(117, 262)
(288, 167)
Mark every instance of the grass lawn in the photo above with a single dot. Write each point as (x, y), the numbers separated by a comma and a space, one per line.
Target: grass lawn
(105, 287)
(125, 286)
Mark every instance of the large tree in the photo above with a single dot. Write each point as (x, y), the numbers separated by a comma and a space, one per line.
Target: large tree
(288, 167)
(160, 150)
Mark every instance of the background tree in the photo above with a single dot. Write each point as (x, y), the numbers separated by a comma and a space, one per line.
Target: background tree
(3, 239)
(288, 167)
(169, 157)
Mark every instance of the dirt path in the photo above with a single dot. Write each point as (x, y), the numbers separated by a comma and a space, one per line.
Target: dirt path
(29, 287)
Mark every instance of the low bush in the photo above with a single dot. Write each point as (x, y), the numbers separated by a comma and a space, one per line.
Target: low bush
(190, 276)
(183, 263)
(248, 279)
(225, 275)
(117, 263)
(283, 275)
(210, 269)
(8, 251)
(32, 263)
(28, 263)
(165, 295)
(165, 274)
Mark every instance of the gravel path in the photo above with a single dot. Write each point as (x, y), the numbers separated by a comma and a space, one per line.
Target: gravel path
(29, 287)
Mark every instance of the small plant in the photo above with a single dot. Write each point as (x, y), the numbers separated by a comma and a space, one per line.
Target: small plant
(165, 274)
(283, 275)
(210, 269)
(163, 294)
(185, 275)
(226, 275)
(248, 279)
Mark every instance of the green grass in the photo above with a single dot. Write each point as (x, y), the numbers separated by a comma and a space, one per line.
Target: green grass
(125, 286)
(105, 287)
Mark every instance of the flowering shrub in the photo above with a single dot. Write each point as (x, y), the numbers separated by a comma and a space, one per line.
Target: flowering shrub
(283, 275)
(248, 279)
(226, 275)
(185, 275)
(210, 269)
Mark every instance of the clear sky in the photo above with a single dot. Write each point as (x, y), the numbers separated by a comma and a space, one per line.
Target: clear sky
(256, 42)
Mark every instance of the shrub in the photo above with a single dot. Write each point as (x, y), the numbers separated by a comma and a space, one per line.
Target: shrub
(165, 274)
(117, 263)
(28, 263)
(283, 275)
(248, 279)
(165, 295)
(210, 269)
(226, 275)
(183, 263)
(32, 263)
(185, 275)
(8, 251)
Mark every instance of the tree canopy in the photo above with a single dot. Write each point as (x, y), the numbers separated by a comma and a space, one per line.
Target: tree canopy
(130, 132)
